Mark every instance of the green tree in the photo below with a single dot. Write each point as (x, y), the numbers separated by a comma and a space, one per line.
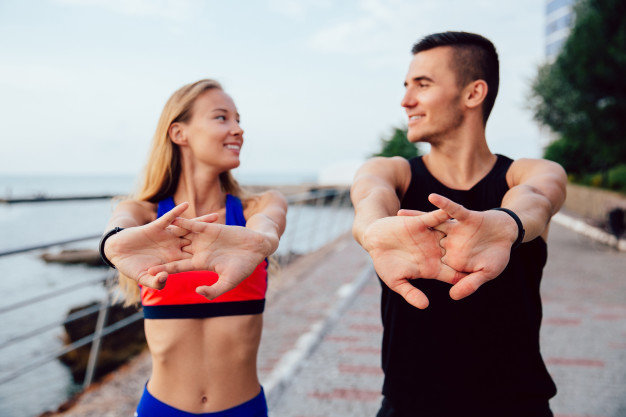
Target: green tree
(581, 96)
(398, 145)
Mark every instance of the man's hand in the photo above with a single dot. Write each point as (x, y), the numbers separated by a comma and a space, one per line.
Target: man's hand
(478, 243)
(405, 248)
(135, 250)
(233, 252)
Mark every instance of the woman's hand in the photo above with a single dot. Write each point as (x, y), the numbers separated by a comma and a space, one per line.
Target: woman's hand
(233, 252)
(136, 249)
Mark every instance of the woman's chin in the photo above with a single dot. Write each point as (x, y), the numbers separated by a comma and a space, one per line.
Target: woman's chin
(233, 165)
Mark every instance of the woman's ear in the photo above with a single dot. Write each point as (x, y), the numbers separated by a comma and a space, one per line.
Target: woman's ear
(475, 93)
(177, 134)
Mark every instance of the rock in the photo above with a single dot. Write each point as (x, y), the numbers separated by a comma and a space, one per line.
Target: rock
(115, 349)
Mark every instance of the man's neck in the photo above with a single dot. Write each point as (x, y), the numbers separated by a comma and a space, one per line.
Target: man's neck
(462, 161)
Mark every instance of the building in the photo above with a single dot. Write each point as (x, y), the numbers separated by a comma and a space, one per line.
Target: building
(559, 20)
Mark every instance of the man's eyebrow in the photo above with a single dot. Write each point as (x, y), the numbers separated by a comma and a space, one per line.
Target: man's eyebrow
(420, 78)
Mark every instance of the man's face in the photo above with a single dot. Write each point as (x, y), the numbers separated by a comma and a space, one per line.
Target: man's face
(432, 100)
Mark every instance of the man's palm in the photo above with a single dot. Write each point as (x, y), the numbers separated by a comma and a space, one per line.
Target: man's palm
(477, 243)
(405, 248)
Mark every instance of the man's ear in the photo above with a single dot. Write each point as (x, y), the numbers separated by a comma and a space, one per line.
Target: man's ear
(475, 93)
(177, 134)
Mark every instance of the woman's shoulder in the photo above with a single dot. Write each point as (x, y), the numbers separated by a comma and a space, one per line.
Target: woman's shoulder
(144, 211)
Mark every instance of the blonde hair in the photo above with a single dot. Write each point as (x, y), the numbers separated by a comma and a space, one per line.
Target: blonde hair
(162, 171)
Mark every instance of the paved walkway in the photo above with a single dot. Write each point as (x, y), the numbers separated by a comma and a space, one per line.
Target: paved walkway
(320, 354)
(583, 335)
(583, 341)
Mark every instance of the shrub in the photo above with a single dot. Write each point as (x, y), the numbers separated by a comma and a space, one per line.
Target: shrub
(617, 178)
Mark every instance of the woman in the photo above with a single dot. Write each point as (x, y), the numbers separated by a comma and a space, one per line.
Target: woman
(203, 332)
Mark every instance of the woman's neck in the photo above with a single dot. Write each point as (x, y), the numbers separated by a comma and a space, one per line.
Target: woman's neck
(201, 188)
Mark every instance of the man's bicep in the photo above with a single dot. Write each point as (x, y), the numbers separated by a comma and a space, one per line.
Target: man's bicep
(541, 176)
(381, 174)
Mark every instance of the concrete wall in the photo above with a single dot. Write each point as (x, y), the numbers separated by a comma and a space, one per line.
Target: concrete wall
(592, 203)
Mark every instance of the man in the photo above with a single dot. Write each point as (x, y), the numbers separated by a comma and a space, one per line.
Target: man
(461, 261)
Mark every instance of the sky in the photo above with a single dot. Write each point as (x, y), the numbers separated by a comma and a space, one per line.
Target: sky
(317, 82)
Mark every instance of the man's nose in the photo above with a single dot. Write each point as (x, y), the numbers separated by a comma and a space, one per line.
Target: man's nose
(408, 100)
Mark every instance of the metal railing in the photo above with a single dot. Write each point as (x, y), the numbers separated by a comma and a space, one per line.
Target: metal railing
(314, 219)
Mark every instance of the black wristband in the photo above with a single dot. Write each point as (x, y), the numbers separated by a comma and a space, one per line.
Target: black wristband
(520, 228)
(101, 246)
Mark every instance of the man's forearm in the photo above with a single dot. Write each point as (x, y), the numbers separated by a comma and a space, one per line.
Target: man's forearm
(376, 204)
(532, 207)
(537, 192)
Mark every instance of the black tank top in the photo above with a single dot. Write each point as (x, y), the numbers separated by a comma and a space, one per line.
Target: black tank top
(479, 355)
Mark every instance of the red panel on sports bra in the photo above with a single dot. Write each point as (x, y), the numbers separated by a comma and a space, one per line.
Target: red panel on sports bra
(181, 288)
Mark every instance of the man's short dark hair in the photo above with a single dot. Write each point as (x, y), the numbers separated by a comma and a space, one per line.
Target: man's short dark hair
(475, 58)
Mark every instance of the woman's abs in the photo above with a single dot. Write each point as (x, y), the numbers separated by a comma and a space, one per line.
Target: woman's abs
(204, 365)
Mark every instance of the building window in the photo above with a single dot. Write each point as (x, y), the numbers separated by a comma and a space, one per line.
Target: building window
(560, 23)
(557, 4)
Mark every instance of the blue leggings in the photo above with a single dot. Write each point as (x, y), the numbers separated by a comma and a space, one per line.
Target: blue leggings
(151, 407)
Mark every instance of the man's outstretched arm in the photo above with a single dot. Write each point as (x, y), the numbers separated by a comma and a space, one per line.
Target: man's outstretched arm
(401, 248)
(375, 191)
(537, 193)
(479, 243)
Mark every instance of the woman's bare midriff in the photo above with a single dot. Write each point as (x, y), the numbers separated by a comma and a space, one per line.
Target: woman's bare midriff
(204, 365)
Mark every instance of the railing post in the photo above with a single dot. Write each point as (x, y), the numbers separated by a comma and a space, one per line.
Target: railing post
(320, 197)
(347, 212)
(335, 222)
(292, 228)
(95, 345)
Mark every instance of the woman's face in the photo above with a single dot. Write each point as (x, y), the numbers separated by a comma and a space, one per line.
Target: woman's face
(213, 134)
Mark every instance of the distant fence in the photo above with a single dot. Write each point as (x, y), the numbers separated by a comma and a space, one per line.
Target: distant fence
(314, 218)
(46, 199)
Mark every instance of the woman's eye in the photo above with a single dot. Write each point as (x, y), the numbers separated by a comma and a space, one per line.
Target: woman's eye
(221, 118)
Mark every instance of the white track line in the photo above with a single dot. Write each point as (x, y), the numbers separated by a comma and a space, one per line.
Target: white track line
(292, 361)
(589, 231)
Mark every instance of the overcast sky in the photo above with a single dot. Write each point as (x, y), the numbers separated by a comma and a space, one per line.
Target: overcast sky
(317, 83)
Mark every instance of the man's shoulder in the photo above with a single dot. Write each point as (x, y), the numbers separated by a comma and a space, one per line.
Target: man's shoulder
(523, 168)
(396, 162)
(394, 167)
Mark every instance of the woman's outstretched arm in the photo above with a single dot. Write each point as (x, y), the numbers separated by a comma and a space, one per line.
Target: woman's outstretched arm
(267, 214)
(146, 241)
(233, 252)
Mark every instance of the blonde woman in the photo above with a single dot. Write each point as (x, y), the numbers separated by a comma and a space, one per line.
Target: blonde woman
(201, 264)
